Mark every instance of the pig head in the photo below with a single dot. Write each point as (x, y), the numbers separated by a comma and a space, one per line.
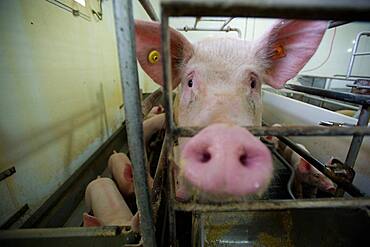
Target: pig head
(218, 85)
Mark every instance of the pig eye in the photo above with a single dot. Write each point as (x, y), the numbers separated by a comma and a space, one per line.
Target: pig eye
(253, 82)
(190, 83)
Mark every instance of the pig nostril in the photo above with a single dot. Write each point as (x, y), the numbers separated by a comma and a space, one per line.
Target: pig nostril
(243, 159)
(205, 157)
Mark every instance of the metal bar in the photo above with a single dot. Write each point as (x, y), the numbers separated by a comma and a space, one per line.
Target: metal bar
(346, 185)
(55, 211)
(111, 236)
(335, 77)
(170, 125)
(314, 9)
(361, 54)
(167, 87)
(171, 202)
(290, 94)
(257, 205)
(333, 24)
(347, 97)
(354, 50)
(159, 178)
(287, 165)
(7, 173)
(226, 22)
(354, 149)
(148, 7)
(229, 29)
(15, 217)
(197, 19)
(287, 131)
(125, 33)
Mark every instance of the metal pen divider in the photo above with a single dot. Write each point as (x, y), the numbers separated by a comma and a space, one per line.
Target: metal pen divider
(316, 9)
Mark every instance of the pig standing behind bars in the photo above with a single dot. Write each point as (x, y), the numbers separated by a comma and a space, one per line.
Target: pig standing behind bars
(106, 199)
(219, 85)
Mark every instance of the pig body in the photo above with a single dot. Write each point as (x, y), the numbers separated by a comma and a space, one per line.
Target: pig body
(107, 204)
(219, 85)
(305, 173)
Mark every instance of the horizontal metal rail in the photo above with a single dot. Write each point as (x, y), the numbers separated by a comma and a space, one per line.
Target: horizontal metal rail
(227, 29)
(258, 205)
(8, 172)
(313, 9)
(70, 236)
(286, 131)
(347, 97)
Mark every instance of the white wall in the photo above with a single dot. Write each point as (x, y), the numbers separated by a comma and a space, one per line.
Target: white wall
(60, 94)
(337, 63)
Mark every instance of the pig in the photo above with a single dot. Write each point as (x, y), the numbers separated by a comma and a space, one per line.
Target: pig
(308, 174)
(120, 168)
(119, 165)
(106, 202)
(106, 199)
(218, 83)
(305, 173)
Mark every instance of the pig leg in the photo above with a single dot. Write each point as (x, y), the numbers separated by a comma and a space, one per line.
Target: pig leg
(153, 125)
(105, 201)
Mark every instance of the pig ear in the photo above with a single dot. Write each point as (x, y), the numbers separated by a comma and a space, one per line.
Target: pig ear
(304, 166)
(148, 51)
(90, 221)
(287, 47)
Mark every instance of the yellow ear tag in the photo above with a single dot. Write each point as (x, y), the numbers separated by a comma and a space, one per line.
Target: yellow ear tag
(278, 52)
(153, 57)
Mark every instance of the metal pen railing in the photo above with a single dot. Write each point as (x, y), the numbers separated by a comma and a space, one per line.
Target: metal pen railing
(314, 9)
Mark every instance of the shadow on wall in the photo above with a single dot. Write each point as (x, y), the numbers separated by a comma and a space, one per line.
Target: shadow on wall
(15, 150)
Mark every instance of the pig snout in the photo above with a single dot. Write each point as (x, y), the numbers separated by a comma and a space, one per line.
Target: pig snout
(226, 160)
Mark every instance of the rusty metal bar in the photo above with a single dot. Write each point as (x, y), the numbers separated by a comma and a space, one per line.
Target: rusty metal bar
(159, 178)
(148, 7)
(314, 9)
(287, 131)
(258, 205)
(7, 173)
(125, 34)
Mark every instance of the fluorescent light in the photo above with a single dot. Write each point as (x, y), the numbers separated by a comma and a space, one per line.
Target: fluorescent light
(82, 2)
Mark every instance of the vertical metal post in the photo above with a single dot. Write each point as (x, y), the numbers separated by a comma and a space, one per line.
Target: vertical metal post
(354, 149)
(125, 33)
(170, 126)
(354, 54)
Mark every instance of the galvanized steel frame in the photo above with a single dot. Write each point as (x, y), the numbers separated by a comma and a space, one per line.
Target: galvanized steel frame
(125, 35)
(315, 9)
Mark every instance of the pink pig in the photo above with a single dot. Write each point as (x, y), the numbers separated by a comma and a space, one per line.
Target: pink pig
(218, 84)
